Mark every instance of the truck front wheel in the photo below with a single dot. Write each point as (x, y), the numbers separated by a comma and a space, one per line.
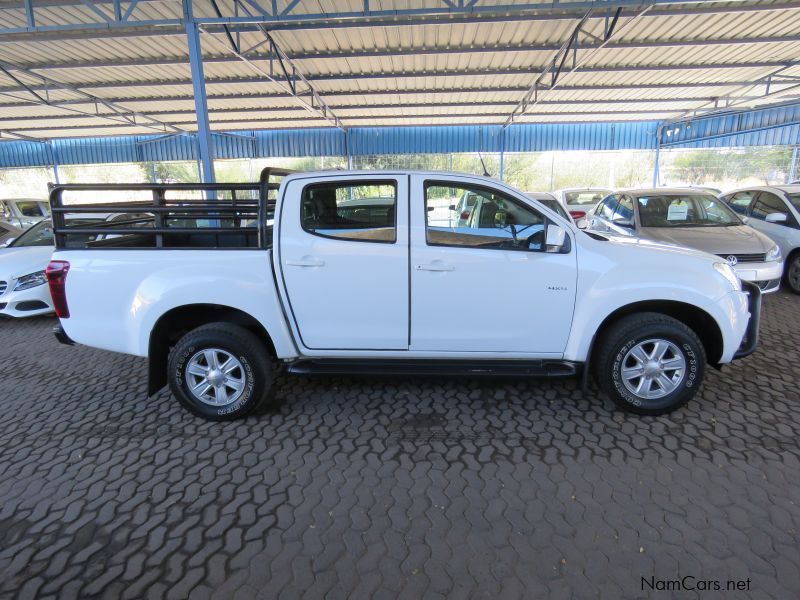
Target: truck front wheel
(650, 364)
(220, 371)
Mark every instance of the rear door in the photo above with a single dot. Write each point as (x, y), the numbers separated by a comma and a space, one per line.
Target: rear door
(343, 252)
(489, 286)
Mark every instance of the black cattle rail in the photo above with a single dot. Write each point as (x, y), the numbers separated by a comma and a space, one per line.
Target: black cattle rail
(232, 215)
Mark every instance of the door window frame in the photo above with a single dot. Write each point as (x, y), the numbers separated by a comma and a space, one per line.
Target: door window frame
(337, 183)
(465, 185)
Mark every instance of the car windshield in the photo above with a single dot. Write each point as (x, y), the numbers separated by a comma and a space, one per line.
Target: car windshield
(41, 234)
(685, 210)
(585, 197)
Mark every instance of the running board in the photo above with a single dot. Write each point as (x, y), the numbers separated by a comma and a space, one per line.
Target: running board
(487, 368)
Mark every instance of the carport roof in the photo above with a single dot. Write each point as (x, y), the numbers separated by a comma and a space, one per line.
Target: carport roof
(77, 68)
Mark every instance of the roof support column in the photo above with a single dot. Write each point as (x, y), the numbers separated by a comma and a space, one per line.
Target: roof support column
(204, 141)
(656, 174)
(793, 166)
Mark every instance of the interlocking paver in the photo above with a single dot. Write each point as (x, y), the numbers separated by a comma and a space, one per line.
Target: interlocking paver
(387, 488)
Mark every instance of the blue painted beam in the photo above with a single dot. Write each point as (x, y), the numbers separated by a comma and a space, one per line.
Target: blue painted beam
(204, 143)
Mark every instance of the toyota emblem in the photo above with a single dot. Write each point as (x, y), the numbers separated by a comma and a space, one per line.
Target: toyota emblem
(732, 260)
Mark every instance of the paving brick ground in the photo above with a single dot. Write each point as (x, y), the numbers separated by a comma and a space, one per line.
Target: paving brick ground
(376, 488)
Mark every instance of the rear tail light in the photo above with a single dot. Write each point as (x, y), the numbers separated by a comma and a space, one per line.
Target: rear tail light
(56, 273)
(465, 215)
(577, 214)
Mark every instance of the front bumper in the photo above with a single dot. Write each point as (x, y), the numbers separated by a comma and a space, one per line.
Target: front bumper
(766, 275)
(750, 340)
(26, 303)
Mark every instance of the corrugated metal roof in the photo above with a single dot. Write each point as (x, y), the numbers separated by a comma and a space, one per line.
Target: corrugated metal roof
(457, 70)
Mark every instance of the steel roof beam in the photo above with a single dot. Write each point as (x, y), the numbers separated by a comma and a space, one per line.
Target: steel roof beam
(775, 84)
(40, 93)
(281, 70)
(423, 74)
(222, 123)
(370, 16)
(567, 60)
(393, 106)
(389, 92)
(179, 60)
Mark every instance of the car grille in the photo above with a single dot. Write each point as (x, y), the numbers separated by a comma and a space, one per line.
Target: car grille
(745, 258)
(3, 286)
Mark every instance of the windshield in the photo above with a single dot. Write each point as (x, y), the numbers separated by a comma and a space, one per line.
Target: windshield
(41, 234)
(689, 210)
(585, 197)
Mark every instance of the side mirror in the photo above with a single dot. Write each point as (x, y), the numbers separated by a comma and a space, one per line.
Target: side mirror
(582, 223)
(452, 207)
(777, 218)
(745, 220)
(555, 238)
(625, 224)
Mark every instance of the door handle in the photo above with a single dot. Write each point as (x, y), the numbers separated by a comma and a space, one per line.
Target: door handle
(435, 267)
(305, 262)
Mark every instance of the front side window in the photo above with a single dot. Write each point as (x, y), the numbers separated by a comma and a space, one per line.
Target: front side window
(685, 210)
(355, 211)
(606, 208)
(623, 213)
(740, 202)
(495, 222)
(767, 204)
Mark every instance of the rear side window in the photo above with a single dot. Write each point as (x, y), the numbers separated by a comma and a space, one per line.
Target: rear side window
(740, 202)
(363, 211)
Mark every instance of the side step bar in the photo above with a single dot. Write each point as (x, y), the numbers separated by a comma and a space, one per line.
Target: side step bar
(487, 368)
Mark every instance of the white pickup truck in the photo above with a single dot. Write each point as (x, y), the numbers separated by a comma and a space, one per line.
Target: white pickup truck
(367, 272)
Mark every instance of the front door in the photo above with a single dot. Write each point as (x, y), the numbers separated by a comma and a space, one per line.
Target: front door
(344, 260)
(488, 285)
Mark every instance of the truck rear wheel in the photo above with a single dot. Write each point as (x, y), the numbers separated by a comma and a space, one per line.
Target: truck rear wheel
(221, 372)
(650, 364)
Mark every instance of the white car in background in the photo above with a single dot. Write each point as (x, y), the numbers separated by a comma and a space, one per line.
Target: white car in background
(579, 201)
(550, 201)
(23, 212)
(23, 292)
(775, 212)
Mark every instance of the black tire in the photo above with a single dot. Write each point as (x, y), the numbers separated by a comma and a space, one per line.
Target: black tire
(792, 272)
(627, 333)
(255, 370)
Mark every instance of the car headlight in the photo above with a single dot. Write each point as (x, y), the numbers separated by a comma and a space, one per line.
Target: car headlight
(774, 253)
(30, 281)
(728, 273)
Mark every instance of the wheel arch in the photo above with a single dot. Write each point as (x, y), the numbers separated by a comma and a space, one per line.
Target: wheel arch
(176, 322)
(698, 320)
